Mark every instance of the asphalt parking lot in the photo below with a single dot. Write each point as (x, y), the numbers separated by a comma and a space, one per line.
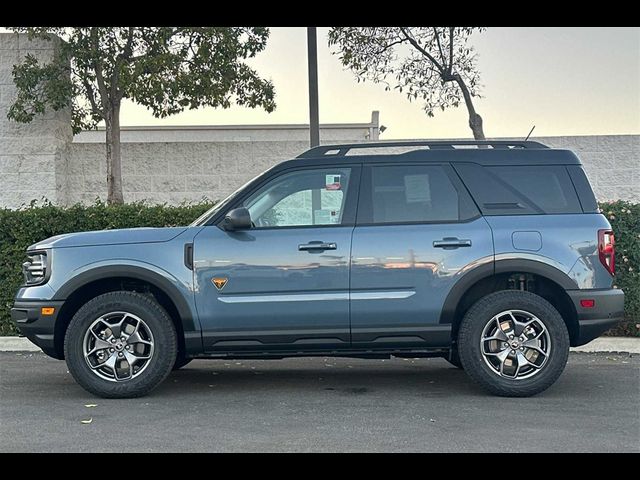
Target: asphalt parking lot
(321, 404)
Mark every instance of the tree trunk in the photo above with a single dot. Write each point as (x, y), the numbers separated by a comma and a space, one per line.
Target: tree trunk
(475, 120)
(114, 163)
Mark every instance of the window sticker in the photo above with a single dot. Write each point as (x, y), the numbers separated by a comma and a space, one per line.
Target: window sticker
(416, 188)
(332, 182)
(326, 216)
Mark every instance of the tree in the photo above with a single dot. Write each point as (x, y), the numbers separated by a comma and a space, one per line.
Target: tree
(434, 63)
(166, 69)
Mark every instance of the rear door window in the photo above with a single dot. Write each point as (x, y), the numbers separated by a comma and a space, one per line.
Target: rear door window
(520, 189)
(412, 194)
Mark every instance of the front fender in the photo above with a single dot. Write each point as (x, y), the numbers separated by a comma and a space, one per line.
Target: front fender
(179, 292)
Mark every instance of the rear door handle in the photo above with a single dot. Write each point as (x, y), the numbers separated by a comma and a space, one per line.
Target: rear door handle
(311, 246)
(451, 242)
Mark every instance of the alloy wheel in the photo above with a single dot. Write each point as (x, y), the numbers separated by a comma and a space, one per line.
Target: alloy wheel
(118, 346)
(515, 344)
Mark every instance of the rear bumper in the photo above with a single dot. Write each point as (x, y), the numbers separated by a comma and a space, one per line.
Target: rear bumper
(38, 328)
(607, 311)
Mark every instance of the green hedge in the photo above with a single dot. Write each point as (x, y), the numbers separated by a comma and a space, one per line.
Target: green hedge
(625, 220)
(21, 228)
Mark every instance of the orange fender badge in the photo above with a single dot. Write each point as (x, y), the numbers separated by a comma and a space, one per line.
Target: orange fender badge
(219, 282)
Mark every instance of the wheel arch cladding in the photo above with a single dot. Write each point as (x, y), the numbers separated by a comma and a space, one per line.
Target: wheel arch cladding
(91, 283)
(551, 285)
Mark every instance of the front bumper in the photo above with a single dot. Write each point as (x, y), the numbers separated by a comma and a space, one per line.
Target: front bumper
(38, 328)
(607, 311)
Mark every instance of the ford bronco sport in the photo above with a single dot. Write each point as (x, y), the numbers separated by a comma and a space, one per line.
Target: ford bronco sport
(490, 254)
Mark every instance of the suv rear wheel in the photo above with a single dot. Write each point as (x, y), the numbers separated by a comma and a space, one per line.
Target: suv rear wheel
(513, 343)
(120, 345)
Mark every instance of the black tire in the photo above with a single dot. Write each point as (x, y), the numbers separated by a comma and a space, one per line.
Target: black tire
(158, 322)
(469, 341)
(181, 361)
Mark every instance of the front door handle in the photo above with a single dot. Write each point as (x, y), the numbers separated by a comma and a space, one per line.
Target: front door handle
(451, 242)
(314, 246)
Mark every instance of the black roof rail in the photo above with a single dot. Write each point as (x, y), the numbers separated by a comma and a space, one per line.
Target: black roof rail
(342, 149)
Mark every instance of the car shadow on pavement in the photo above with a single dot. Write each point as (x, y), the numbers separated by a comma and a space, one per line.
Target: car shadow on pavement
(432, 377)
(423, 377)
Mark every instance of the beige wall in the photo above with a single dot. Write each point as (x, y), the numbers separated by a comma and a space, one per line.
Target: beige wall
(192, 170)
(207, 164)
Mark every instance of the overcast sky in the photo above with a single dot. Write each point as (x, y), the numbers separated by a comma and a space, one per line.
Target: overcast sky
(564, 80)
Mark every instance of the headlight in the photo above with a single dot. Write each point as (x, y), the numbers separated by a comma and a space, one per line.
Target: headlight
(35, 269)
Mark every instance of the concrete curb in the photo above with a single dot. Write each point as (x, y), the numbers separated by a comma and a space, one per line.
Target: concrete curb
(611, 344)
(602, 344)
(17, 344)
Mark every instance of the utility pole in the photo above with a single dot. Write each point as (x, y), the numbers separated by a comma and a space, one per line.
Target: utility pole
(314, 122)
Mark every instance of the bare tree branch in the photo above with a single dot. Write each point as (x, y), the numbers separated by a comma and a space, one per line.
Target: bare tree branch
(465, 93)
(422, 50)
(389, 45)
(451, 32)
(91, 96)
(97, 65)
(437, 35)
(128, 49)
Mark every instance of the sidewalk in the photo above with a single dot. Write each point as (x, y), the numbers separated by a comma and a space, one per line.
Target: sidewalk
(611, 344)
(602, 344)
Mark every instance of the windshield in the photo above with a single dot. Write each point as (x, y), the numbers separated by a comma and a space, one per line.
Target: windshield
(202, 219)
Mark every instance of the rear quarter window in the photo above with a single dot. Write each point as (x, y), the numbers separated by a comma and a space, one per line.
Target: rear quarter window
(583, 188)
(520, 189)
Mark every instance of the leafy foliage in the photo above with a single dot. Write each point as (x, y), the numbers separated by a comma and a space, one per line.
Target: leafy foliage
(625, 220)
(434, 64)
(21, 228)
(166, 69)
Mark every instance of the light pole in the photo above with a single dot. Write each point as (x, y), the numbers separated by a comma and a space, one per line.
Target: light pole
(312, 55)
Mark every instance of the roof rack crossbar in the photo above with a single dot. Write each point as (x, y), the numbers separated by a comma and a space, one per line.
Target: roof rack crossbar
(342, 149)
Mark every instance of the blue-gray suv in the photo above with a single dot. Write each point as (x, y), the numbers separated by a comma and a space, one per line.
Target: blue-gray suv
(493, 255)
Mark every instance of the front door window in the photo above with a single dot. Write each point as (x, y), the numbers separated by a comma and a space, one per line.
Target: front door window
(303, 198)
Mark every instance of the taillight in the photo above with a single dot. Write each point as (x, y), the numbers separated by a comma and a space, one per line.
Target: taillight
(607, 250)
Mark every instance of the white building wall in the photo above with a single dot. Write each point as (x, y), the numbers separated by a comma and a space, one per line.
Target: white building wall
(33, 155)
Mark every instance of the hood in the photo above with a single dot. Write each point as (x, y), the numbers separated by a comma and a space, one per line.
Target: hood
(110, 237)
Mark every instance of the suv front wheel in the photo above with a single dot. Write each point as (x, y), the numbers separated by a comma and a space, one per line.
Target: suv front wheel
(120, 345)
(513, 343)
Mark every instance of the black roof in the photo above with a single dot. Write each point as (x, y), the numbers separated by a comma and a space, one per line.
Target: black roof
(489, 152)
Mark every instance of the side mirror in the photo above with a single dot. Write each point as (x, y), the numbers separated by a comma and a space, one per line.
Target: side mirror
(237, 219)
